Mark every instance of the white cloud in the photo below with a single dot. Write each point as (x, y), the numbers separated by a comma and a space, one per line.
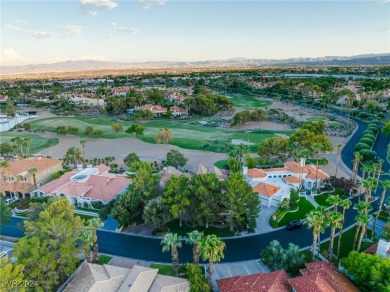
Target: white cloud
(381, 1)
(10, 56)
(28, 32)
(91, 7)
(72, 29)
(384, 30)
(129, 30)
(148, 3)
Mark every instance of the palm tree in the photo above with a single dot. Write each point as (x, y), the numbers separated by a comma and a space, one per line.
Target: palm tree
(364, 171)
(316, 148)
(336, 221)
(211, 248)
(92, 224)
(316, 219)
(194, 238)
(363, 209)
(26, 143)
(385, 185)
(82, 143)
(33, 171)
(356, 162)
(338, 159)
(334, 200)
(294, 150)
(345, 204)
(364, 219)
(171, 242)
(369, 184)
(380, 163)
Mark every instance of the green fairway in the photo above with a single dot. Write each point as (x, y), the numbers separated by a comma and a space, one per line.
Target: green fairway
(248, 102)
(184, 135)
(37, 143)
(315, 119)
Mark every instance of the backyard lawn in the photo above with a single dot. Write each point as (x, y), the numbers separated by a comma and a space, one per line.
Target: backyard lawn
(103, 259)
(37, 143)
(175, 228)
(184, 135)
(221, 164)
(321, 200)
(163, 269)
(304, 207)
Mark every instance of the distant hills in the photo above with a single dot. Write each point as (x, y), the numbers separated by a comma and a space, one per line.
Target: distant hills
(90, 65)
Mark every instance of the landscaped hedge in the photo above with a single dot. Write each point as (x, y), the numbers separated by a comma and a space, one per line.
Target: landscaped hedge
(368, 132)
(367, 154)
(360, 146)
(369, 136)
(367, 141)
(363, 115)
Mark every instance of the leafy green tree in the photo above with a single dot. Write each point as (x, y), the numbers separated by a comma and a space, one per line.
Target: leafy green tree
(386, 129)
(156, 212)
(144, 180)
(164, 136)
(171, 242)
(6, 148)
(136, 129)
(72, 130)
(5, 214)
(273, 256)
(236, 156)
(11, 273)
(126, 207)
(10, 109)
(197, 279)
(130, 159)
(194, 238)
(211, 248)
(176, 158)
(117, 128)
(250, 162)
(61, 130)
(57, 230)
(274, 148)
(241, 202)
(294, 259)
(88, 131)
(315, 127)
(369, 271)
(303, 137)
(176, 195)
(205, 194)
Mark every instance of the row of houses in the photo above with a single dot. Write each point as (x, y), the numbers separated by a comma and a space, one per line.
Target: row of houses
(158, 110)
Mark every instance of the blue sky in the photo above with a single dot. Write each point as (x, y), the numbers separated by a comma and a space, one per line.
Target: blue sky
(156, 30)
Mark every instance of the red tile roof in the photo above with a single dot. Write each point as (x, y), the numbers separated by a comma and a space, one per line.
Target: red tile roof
(16, 187)
(266, 189)
(372, 249)
(315, 276)
(295, 167)
(292, 179)
(311, 169)
(256, 173)
(276, 281)
(16, 167)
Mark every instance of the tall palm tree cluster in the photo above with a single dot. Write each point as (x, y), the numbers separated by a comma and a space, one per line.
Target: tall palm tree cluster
(208, 247)
(21, 146)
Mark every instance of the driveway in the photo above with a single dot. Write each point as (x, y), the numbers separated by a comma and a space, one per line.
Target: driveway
(263, 219)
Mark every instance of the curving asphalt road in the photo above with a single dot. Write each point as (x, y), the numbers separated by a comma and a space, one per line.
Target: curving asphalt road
(237, 249)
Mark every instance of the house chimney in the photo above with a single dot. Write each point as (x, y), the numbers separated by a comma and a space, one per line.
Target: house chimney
(383, 247)
(302, 162)
(1, 158)
(79, 167)
(16, 158)
(38, 156)
(244, 170)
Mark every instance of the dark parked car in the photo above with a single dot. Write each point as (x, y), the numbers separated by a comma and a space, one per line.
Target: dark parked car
(294, 224)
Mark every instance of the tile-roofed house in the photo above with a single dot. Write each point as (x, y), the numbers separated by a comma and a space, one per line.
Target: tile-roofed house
(201, 169)
(178, 111)
(3, 98)
(155, 109)
(322, 277)
(276, 281)
(109, 278)
(266, 189)
(292, 176)
(86, 186)
(17, 180)
(382, 248)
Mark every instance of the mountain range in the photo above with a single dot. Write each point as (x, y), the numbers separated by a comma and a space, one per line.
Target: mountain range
(90, 65)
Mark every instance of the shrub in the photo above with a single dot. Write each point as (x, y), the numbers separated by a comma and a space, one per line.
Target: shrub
(369, 136)
(363, 115)
(366, 141)
(368, 132)
(367, 154)
(373, 128)
(360, 146)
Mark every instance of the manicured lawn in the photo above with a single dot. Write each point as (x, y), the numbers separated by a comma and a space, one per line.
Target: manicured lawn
(304, 207)
(248, 102)
(37, 143)
(221, 164)
(315, 118)
(163, 269)
(321, 200)
(346, 243)
(103, 259)
(334, 125)
(184, 135)
(175, 228)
